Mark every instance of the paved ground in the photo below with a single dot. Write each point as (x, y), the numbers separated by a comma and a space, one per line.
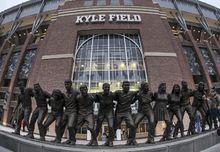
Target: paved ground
(120, 144)
(215, 148)
(2, 149)
(81, 142)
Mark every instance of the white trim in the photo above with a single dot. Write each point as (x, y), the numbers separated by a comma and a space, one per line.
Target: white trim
(57, 56)
(85, 10)
(159, 54)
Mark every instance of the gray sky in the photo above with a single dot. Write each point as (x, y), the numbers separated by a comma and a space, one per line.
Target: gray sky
(4, 4)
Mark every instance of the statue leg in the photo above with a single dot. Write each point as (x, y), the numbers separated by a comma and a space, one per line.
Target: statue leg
(180, 120)
(191, 128)
(168, 121)
(214, 118)
(138, 118)
(110, 119)
(64, 122)
(50, 119)
(99, 121)
(203, 114)
(27, 113)
(58, 129)
(117, 123)
(41, 117)
(131, 126)
(18, 124)
(151, 121)
(32, 123)
(90, 125)
(71, 128)
(177, 126)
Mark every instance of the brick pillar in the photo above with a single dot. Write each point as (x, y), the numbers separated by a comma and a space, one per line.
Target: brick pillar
(4, 70)
(200, 57)
(3, 45)
(15, 74)
(4, 67)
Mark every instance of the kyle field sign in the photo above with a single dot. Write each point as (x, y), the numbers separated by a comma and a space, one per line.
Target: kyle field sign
(101, 18)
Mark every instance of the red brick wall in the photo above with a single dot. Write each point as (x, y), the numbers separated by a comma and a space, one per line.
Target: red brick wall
(155, 36)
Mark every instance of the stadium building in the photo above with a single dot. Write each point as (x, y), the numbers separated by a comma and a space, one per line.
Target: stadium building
(97, 41)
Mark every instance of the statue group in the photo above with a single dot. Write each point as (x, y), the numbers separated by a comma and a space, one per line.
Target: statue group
(73, 109)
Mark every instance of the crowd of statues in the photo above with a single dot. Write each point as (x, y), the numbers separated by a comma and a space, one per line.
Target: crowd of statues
(73, 109)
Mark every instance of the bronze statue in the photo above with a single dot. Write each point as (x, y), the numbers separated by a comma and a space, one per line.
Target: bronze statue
(105, 99)
(185, 106)
(161, 112)
(85, 113)
(57, 104)
(199, 103)
(124, 100)
(24, 99)
(70, 113)
(213, 112)
(145, 98)
(40, 112)
(174, 107)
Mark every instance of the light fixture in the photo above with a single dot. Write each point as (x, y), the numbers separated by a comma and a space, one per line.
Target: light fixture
(122, 65)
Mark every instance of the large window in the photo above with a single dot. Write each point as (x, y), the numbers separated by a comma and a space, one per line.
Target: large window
(115, 2)
(128, 2)
(209, 64)
(193, 64)
(110, 58)
(101, 2)
(217, 55)
(26, 65)
(2, 59)
(10, 68)
(88, 2)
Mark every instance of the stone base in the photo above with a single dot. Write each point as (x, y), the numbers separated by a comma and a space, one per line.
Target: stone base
(188, 144)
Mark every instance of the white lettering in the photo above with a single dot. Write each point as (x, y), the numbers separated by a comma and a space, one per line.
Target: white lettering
(130, 19)
(137, 18)
(124, 17)
(111, 18)
(94, 19)
(102, 18)
(88, 17)
(117, 17)
(79, 19)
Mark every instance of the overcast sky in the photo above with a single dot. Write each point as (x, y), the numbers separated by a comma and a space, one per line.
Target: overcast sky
(4, 4)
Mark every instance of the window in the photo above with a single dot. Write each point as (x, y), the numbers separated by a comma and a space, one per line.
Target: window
(209, 64)
(217, 55)
(128, 2)
(111, 58)
(193, 64)
(101, 2)
(115, 2)
(88, 2)
(2, 59)
(26, 65)
(10, 68)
